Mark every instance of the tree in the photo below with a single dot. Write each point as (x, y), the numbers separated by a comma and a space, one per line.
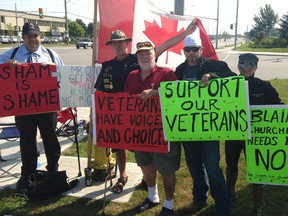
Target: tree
(10, 29)
(80, 22)
(284, 27)
(75, 29)
(90, 30)
(266, 20)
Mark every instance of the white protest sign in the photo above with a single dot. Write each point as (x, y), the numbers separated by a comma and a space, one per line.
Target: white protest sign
(77, 85)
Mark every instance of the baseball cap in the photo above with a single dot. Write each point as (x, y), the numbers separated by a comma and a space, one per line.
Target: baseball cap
(192, 41)
(118, 35)
(249, 57)
(31, 28)
(144, 46)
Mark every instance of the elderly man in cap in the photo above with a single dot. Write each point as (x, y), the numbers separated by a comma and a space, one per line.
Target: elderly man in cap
(113, 76)
(260, 93)
(146, 81)
(202, 157)
(32, 51)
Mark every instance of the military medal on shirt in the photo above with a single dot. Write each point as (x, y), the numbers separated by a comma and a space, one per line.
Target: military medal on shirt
(107, 78)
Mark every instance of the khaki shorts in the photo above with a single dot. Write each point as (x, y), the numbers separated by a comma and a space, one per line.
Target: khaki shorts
(164, 163)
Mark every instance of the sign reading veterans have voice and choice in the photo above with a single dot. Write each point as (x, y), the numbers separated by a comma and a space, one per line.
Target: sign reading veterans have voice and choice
(194, 112)
(77, 85)
(267, 150)
(124, 121)
(28, 89)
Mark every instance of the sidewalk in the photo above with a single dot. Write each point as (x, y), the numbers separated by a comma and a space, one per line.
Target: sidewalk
(10, 169)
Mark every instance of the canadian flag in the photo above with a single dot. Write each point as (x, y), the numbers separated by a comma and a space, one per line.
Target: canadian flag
(143, 21)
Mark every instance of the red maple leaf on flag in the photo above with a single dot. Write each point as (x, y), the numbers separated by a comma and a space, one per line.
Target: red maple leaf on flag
(159, 35)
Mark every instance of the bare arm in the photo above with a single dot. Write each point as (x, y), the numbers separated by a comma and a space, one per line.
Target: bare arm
(175, 40)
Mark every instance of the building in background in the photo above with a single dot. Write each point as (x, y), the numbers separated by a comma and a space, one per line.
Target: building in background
(49, 25)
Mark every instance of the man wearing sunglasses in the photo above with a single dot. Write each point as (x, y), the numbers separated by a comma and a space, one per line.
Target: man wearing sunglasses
(114, 73)
(202, 157)
(260, 93)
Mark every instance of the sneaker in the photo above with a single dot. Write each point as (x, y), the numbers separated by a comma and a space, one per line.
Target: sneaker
(166, 212)
(194, 207)
(147, 204)
(22, 184)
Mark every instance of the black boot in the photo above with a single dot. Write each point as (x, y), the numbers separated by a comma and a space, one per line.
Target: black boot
(231, 178)
(258, 197)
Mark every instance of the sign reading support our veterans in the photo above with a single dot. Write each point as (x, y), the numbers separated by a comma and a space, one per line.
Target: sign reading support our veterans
(267, 150)
(77, 85)
(124, 121)
(28, 89)
(194, 112)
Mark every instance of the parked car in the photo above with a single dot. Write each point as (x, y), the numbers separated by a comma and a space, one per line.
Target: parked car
(4, 39)
(85, 43)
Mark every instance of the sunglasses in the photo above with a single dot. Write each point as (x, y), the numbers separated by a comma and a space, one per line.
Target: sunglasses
(248, 65)
(144, 44)
(194, 49)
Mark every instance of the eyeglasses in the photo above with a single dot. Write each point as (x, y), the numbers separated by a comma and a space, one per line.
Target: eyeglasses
(248, 65)
(194, 49)
(144, 44)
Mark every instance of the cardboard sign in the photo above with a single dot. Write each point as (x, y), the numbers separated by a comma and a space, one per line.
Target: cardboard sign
(28, 89)
(266, 151)
(194, 112)
(77, 85)
(124, 121)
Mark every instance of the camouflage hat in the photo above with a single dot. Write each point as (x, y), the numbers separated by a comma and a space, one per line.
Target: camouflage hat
(118, 35)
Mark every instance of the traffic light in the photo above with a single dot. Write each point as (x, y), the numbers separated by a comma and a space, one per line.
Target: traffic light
(41, 13)
(231, 26)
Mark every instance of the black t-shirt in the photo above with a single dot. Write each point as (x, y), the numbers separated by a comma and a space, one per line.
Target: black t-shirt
(114, 73)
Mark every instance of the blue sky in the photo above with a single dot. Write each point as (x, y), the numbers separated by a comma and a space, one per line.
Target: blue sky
(205, 8)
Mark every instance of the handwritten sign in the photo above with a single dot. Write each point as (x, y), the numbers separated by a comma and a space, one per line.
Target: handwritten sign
(28, 89)
(122, 121)
(77, 85)
(192, 111)
(266, 151)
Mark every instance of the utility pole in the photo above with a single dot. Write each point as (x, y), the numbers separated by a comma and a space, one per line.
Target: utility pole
(179, 7)
(217, 26)
(17, 27)
(236, 26)
(66, 23)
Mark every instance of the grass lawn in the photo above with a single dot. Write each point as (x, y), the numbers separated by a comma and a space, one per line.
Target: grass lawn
(276, 197)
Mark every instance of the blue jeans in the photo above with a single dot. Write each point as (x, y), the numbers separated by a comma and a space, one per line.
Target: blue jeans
(202, 158)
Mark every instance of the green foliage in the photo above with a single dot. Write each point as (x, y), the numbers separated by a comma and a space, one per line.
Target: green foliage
(10, 28)
(90, 30)
(284, 26)
(269, 43)
(266, 19)
(75, 29)
(84, 26)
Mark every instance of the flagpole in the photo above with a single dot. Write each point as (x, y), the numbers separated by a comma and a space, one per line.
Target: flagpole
(95, 34)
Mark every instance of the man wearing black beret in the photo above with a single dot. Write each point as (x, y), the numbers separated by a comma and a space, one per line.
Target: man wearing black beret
(260, 93)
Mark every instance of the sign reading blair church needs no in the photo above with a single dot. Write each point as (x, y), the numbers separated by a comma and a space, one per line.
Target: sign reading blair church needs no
(267, 150)
(194, 112)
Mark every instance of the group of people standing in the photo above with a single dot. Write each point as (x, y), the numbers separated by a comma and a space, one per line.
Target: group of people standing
(135, 74)
(139, 74)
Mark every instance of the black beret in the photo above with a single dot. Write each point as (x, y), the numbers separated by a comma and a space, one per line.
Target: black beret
(248, 57)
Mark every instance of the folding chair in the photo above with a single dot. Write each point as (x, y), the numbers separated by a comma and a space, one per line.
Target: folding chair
(9, 132)
(67, 127)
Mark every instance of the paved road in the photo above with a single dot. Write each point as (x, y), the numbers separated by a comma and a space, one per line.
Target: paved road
(270, 65)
